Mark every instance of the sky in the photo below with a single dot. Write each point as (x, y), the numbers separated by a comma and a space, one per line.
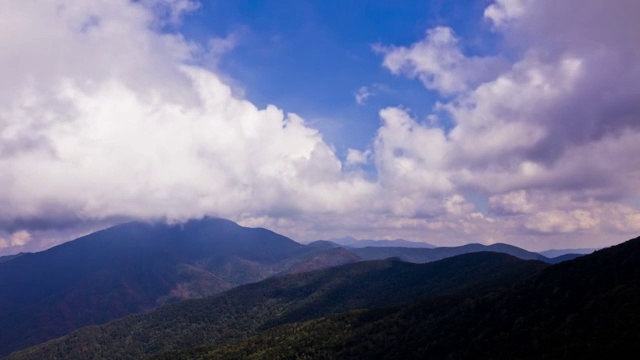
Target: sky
(448, 122)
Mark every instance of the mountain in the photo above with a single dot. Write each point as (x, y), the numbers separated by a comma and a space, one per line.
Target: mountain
(559, 252)
(324, 244)
(322, 259)
(249, 309)
(565, 257)
(425, 255)
(11, 257)
(586, 308)
(136, 267)
(355, 243)
(415, 255)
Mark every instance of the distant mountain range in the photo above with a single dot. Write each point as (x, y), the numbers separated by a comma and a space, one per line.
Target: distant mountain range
(355, 243)
(464, 307)
(137, 267)
(561, 252)
(481, 305)
(581, 309)
(250, 309)
(551, 256)
(428, 255)
(425, 255)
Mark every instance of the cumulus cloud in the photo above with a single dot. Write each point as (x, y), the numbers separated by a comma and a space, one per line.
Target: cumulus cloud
(411, 154)
(559, 123)
(101, 116)
(105, 115)
(502, 12)
(357, 157)
(16, 239)
(439, 63)
(515, 202)
(556, 221)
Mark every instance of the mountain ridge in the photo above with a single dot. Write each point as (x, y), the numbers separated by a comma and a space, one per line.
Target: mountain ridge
(552, 253)
(133, 268)
(584, 308)
(5, 258)
(250, 308)
(423, 255)
(350, 241)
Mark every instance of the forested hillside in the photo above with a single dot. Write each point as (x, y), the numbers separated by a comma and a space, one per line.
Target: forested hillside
(587, 308)
(250, 309)
(137, 267)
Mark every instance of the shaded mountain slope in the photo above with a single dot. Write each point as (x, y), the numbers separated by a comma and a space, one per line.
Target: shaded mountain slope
(324, 244)
(565, 257)
(418, 255)
(134, 268)
(560, 252)
(587, 308)
(11, 257)
(322, 259)
(248, 309)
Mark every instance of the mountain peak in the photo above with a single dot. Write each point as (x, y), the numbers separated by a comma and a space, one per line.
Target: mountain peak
(141, 265)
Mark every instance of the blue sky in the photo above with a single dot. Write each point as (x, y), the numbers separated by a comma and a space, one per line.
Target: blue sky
(310, 58)
(448, 122)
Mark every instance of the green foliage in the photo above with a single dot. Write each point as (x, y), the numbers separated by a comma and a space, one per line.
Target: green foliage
(247, 310)
(136, 267)
(587, 308)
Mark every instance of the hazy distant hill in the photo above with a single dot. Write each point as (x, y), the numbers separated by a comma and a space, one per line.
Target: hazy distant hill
(248, 309)
(565, 257)
(324, 244)
(560, 252)
(137, 267)
(321, 259)
(427, 255)
(587, 308)
(423, 253)
(353, 242)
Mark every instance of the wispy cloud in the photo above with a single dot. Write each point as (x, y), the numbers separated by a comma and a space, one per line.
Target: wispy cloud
(362, 95)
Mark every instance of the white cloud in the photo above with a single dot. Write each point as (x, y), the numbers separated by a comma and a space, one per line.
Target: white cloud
(439, 63)
(357, 157)
(218, 46)
(171, 11)
(556, 221)
(106, 120)
(17, 239)
(502, 12)
(558, 123)
(515, 202)
(362, 95)
(409, 156)
(458, 205)
(104, 117)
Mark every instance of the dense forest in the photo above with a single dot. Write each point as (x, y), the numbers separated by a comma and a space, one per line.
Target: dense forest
(587, 308)
(473, 306)
(247, 310)
(137, 267)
